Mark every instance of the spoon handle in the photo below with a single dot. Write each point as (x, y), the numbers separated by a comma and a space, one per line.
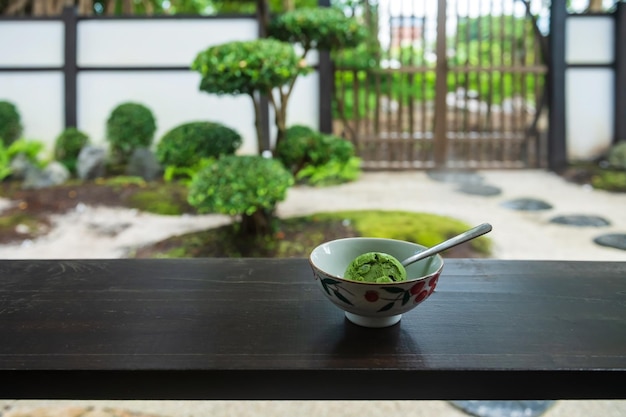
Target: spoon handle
(456, 240)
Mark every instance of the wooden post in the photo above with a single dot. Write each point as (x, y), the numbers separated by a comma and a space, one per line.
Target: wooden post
(326, 80)
(557, 152)
(70, 66)
(262, 13)
(620, 72)
(441, 88)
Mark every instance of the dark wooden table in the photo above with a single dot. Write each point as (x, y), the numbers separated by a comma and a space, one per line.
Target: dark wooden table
(261, 329)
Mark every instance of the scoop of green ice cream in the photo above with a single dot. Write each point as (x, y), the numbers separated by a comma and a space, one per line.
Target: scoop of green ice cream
(375, 267)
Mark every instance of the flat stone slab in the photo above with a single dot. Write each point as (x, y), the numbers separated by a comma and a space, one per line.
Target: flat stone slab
(527, 204)
(581, 220)
(503, 408)
(455, 176)
(612, 240)
(483, 190)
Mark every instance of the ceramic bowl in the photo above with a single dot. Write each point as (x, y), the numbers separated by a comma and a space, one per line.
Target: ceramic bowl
(370, 304)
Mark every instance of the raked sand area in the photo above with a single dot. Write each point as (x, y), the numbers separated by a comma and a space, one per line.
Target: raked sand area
(102, 232)
(96, 232)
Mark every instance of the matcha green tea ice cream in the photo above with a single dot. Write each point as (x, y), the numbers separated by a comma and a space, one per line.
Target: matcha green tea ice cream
(375, 267)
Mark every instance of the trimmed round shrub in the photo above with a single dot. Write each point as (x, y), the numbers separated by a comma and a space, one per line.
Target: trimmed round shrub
(68, 145)
(185, 145)
(130, 126)
(339, 149)
(240, 185)
(318, 28)
(293, 151)
(303, 146)
(244, 67)
(10, 123)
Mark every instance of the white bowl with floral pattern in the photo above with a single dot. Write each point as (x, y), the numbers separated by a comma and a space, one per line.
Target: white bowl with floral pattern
(373, 304)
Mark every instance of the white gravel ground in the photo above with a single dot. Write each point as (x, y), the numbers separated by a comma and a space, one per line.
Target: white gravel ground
(99, 232)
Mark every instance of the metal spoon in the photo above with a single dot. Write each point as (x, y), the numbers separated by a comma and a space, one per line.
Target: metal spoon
(456, 240)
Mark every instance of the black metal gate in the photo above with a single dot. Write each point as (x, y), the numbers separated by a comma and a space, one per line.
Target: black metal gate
(456, 84)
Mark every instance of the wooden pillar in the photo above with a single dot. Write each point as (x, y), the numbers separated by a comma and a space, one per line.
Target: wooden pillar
(620, 72)
(263, 16)
(326, 80)
(70, 65)
(557, 152)
(441, 88)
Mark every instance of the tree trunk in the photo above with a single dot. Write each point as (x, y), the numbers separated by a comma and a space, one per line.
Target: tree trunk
(281, 120)
(258, 223)
(257, 123)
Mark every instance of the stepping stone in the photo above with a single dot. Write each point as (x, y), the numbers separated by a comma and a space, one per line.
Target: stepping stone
(527, 204)
(503, 408)
(581, 221)
(455, 176)
(613, 240)
(483, 190)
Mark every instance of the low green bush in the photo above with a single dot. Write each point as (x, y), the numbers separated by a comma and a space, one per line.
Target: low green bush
(249, 186)
(318, 159)
(129, 126)
(610, 181)
(331, 173)
(68, 145)
(187, 144)
(31, 149)
(10, 123)
(294, 150)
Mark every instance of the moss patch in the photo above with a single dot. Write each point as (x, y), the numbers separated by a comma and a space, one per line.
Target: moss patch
(297, 236)
(18, 225)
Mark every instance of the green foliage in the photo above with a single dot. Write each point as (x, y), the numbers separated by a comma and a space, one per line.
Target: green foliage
(303, 146)
(31, 149)
(5, 162)
(68, 145)
(319, 28)
(10, 123)
(244, 67)
(318, 159)
(293, 151)
(187, 144)
(184, 175)
(237, 185)
(610, 181)
(331, 173)
(130, 126)
(617, 155)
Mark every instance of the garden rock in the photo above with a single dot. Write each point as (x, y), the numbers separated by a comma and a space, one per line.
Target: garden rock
(20, 166)
(91, 162)
(54, 174)
(455, 177)
(612, 240)
(527, 204)
(581, 221)
(533, 408)
(482, 190)
(143, 163)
